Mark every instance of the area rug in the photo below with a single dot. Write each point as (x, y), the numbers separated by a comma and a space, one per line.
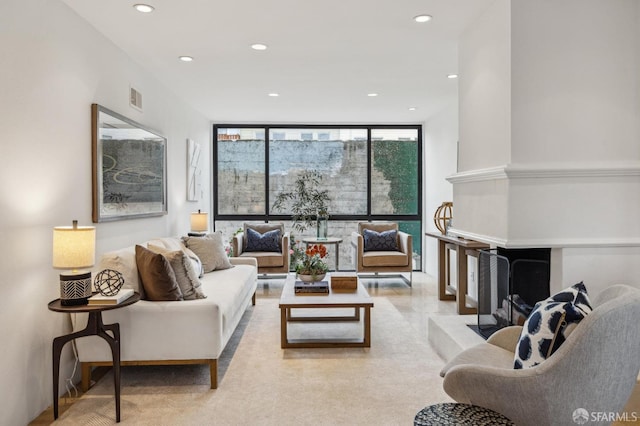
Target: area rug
(262, 384)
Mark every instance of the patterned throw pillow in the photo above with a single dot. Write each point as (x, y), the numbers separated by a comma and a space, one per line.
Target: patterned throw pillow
(549, 324)
(269, 241)
(380, 241)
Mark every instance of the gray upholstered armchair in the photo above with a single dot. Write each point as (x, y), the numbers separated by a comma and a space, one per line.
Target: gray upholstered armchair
(596, 368)
(272, 261)
(376, 261)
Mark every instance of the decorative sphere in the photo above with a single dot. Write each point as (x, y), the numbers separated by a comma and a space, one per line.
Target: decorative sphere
(443, 215)
(108, 282)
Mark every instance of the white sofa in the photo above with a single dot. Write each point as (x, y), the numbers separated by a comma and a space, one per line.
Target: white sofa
(176, 332)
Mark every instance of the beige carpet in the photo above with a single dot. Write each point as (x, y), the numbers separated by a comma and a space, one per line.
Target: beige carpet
(262, 384)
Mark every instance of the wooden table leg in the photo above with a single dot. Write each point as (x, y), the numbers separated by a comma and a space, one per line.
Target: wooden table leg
(367, 327)
(461, 259)
(443, 272)
(283, 327)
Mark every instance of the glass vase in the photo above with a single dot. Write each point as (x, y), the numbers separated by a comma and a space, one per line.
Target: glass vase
(322, 227)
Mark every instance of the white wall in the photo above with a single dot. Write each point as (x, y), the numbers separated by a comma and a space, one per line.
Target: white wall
(575, 81)
(598, 267)
(440, 158)
(485, 121)
(575, 111)
(484, 88)
(571, 179)
(54, 65)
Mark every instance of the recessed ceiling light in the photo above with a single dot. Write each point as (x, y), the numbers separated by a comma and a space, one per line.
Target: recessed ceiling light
(412, 108)
(259, 46)
(372, 95)
(452, 76)
(186, 58)
(274, 95)
(144, 8)
(422, 18)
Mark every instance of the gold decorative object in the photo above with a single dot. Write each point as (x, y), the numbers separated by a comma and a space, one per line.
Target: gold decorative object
(443, 215)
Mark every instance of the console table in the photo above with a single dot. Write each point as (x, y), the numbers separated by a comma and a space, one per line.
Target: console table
(95, 327)
(463, 248)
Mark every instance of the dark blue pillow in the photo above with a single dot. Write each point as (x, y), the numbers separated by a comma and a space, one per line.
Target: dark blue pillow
(380, 241)
(269, 241)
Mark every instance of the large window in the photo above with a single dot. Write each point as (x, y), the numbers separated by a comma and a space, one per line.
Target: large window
(340, 155)
(240, 172)
(370, 173)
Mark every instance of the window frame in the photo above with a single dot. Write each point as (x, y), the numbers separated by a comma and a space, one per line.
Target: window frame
(333, 217)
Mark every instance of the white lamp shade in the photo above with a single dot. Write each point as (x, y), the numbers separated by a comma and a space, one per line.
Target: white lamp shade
(199, 222)
(74, 247)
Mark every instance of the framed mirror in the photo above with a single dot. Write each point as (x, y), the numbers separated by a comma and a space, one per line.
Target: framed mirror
(129, 168)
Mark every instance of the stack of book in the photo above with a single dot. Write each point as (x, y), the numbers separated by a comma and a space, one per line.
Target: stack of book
(121, 296)
(344, 282)
(311, 289)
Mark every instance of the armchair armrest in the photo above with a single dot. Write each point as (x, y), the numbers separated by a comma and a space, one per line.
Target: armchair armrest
(506, 338)
(357, 243)
(237, 243)
(503, 390)
(285, 248)
(406, 243)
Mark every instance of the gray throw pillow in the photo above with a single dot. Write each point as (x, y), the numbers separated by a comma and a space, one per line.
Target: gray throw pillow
(269, 241)
(210, 251)
(380, 241)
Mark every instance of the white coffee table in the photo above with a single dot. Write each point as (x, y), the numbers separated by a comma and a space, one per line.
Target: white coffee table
(357, 300)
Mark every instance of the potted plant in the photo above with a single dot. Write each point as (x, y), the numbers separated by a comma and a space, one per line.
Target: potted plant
(305, 201)
(312, 268)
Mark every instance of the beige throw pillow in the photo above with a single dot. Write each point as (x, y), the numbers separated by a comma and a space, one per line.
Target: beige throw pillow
(210, 250)
(157, 276)
(124, 261)
(185, 271)
(195, 260)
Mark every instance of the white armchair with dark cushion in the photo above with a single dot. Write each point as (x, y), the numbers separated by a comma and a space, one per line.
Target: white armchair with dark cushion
(380, 247)
(267, 243)
(595, 369)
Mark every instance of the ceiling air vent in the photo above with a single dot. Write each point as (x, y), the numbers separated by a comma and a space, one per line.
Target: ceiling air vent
(135, 98)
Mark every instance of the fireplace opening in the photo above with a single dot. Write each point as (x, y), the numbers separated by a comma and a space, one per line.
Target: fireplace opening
(510, 283)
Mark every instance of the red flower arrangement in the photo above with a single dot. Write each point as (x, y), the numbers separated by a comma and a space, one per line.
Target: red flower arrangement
(312, 263)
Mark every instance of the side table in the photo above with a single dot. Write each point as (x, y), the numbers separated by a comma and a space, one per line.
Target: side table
(329, 240)
(95, 327)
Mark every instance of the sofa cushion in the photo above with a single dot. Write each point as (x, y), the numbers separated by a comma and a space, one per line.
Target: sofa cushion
(156, 275)
(384, 258)
(210, 251)
(380, 241)
(186, 273)
(549, 324)
(267, 242)
(266, 259)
